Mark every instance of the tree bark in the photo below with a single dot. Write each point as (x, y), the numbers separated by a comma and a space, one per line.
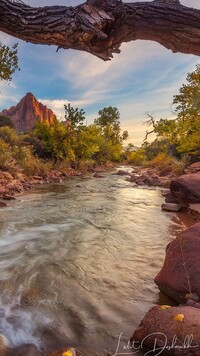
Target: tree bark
(101, 26)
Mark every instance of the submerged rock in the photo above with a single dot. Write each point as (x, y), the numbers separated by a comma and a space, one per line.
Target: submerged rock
(180, 273)
(171, 207)
(171, 331)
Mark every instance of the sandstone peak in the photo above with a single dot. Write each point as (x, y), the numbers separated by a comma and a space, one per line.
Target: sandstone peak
(27, 112)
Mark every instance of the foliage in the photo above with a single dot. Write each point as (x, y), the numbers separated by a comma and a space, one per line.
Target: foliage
(188, 109)
(136, 157)
(111, 148)
(74, 117)
(8, 61)
(5, 121)
(61, 145)
(6, 155)
(180, 136)
(9, 135)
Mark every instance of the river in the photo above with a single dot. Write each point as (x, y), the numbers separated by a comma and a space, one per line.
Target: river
(77, 262)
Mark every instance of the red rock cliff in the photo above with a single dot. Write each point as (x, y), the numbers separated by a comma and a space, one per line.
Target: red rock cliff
(27, 112)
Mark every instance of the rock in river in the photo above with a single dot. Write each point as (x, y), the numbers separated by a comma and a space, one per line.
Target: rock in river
(170, 331)
(180, 273)
(171, 206)
(186, 189)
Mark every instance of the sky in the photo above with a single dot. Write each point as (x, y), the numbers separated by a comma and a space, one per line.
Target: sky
(142, 78)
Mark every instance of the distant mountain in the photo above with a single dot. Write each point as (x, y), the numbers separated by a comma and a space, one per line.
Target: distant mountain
(27, 112)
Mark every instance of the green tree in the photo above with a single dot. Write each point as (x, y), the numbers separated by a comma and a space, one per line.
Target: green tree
(8, 61)
(188, 109)
(111, 141)
(109, 122)
(74, 117)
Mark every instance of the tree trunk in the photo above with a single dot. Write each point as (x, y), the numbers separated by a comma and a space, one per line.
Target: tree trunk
(101, 26)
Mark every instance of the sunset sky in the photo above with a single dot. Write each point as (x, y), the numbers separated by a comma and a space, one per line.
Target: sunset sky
(142, 78)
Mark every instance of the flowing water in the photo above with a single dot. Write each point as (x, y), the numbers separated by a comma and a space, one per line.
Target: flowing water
(77, 262)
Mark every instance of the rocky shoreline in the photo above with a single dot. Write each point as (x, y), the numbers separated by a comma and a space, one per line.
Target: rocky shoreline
(13, 185)
(174, 330)
(179, 277)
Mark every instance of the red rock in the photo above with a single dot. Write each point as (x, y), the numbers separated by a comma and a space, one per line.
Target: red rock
(142, 179)
(27, 112)
(193, 168)
(160, 331)
(7, 175)
(15, 186)
(182, 259)
(2, 189)
(132, 178)
(186, 189)
(98, 175)
(153, 180)
(123, 173)
(3, 204)
(169, 198)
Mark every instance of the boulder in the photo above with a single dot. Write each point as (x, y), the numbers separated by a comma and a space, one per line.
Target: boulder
(169, 198)
(153, 180)
(180, 273)
(171, 331)
(143, 179)
(123, 173)
(171, 207)
(186, 189)
(132, 178)
(98, 175)
(193, 168)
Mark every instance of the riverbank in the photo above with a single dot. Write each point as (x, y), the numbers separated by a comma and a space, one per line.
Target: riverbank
(13, 185)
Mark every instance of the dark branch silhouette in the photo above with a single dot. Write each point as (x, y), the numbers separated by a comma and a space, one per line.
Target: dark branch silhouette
(101, 26)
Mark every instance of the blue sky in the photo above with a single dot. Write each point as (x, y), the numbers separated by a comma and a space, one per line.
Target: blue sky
(142, 78)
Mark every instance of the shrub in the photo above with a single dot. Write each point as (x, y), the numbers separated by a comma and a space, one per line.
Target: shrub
(5, 156)
(136, 157)
(9, 136)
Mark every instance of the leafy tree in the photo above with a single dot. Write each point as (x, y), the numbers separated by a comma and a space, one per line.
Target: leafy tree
(109, 122)
(8, 61)
(179, 136)
(74, 117)
(87, 143)
(111, 138)
(188, 109)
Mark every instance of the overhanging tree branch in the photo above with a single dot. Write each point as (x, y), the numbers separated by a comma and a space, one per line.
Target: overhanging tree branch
(101, 26)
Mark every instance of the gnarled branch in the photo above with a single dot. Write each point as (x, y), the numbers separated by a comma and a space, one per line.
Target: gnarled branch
(101, 26)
